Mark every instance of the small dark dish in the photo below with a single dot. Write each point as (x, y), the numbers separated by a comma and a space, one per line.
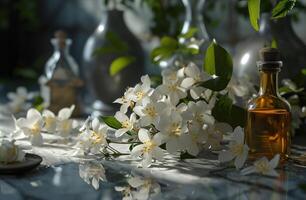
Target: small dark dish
(30, 162)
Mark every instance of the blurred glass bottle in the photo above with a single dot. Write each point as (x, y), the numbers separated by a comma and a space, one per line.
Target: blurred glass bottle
(111, 40)
(62, 76)
(61, 65)
(279, 32)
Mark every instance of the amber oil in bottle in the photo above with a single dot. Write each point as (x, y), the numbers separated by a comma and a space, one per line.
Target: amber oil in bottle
(268, 119)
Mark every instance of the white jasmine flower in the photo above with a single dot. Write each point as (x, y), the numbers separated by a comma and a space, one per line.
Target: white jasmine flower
(64, 124)
(241, 87)
(92, 173)
(173, 90)
(93, 137)
(194, 140)
(31, 126)
(194, 75)
(146, 188)
(9, 152)
(126, 101)
(263, 166)
(50, 120)
(150, 112)
(128, 124)
(214, 135)
(172, 127)
(126, 192)
(197, 92)
(198, 113)
(237, 149)
(21, 94)
(170, 75)
(149, 149)
(17, 100)
(142, 91)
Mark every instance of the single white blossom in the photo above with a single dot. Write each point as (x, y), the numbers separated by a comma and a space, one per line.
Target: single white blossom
(9, 152)
(142, 91)
(194, 139)
(50, 120)
(198, 113)
(93, 137)
(126, 100)
(145, 188)
(237, 149)
(128, 124)
(150, 112)
(32, 126)
(18, 100)
(172, 127)
(92, 173)
(126, 191)
(149, 149)
(173, 90)
(263, 166)
(213, 135)
(193, 76)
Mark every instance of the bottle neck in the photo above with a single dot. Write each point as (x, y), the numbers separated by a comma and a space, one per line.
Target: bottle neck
(269, 82)
(61, 47)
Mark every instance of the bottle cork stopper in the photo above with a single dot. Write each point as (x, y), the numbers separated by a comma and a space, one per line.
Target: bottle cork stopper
(269, 54)
(61, 36)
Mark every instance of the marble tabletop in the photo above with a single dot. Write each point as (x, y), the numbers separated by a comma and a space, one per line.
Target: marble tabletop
(201, 178)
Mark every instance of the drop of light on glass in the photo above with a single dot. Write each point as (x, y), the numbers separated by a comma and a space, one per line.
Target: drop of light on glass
(245, 58)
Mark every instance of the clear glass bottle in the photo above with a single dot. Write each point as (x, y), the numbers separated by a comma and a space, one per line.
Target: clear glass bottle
(61, 65)
(268, 120)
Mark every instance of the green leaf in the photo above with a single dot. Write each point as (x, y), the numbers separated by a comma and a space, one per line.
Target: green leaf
(218, 62)
(111, 122)
(120, 63)
(161, 53)
(282, 8)
(190, 33)
(167, 48)
(304, 72)
(226, 111)
(169, 42)
(38, 103)
(254, 13)
(274, 43)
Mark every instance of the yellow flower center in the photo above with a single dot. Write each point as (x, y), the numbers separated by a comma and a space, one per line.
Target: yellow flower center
(199, 117)
(172, 88)
(262, 166)
(35, 128)
(126, 124)
(139, 95)
(49, 122)
(149, 145)
(151, 111)
(175, 129)
(237, 149)
(96, 138)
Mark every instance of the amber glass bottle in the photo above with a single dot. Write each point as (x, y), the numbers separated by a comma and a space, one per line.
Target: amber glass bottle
(268, 120)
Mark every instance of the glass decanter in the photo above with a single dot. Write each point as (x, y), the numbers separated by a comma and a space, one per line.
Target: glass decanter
(268, 120)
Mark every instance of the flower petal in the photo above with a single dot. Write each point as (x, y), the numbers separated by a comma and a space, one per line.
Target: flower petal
(274, 162)
(238, 135)
(144, 135)
(248, 170)
(137, 151)
(158, 153)
(120, 132)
